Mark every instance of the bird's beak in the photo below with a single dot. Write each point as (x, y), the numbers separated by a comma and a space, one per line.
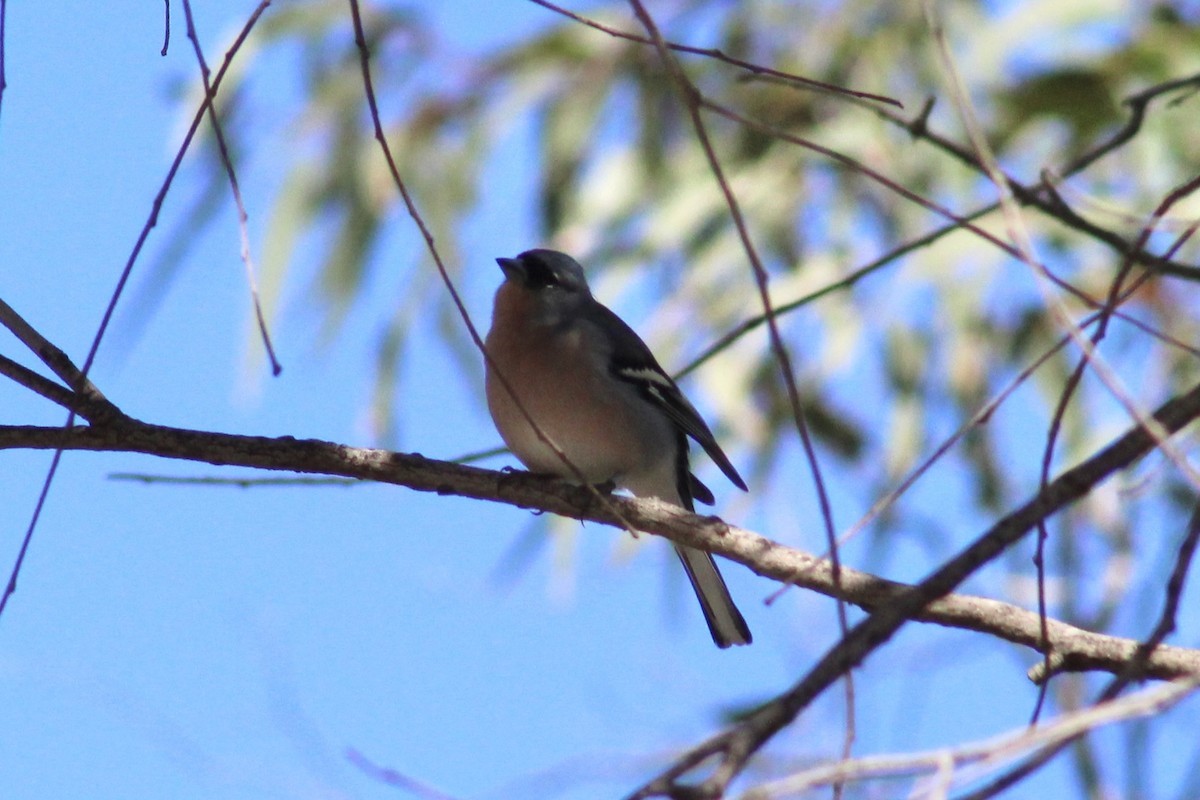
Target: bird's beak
(514, 270)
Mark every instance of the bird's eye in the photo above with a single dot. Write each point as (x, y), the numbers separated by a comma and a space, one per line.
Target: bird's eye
(541, 276)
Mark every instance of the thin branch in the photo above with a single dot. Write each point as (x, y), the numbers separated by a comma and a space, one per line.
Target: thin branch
(982, 755)
(982, 415)
(1174, 591)
(756, 69)
(3, 79)
(984, 412)
(1019, 233)
(227, 162)
(959, 221)
(160, 197)
(1042, 195)
(395, 779)
(89, 409)
(1139, 104)
(166, 27)
(54, 358)
(1090, 355)
(240, 483)
(758, 320)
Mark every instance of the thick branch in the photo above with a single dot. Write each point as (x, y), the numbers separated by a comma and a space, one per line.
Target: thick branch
(1075, 649)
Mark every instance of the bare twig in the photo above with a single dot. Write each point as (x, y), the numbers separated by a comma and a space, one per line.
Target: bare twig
(960, 221)
(755, 69)
(166, 27)
(395, 779)
(1172, 594)
(757, 321)
(3, 79)
(88, 408)
(978, 418)
(227, 162)
(51, 356)
(1042, 195)
(240, 483)
(1138, 104)
(981, 416)
(981, 756)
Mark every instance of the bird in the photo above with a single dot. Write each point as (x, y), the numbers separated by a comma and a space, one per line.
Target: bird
(594, 388)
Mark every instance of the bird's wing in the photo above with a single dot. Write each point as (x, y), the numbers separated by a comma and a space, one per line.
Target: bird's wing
(631, 361)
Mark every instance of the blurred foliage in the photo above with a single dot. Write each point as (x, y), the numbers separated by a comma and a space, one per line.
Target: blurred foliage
(891, 360)
(621, 181)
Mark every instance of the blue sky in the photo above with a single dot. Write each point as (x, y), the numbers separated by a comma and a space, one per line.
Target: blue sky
(229, 643)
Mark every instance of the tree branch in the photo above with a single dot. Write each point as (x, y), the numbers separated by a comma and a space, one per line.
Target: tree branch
(752, 68)
(85, 392)
(1076, 649)
(735, 745)
(1042, 195)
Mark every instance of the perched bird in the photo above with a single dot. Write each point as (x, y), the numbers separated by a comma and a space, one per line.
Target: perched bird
(594, 388)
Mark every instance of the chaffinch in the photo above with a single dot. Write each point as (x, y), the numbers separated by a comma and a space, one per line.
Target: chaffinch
(594, 388)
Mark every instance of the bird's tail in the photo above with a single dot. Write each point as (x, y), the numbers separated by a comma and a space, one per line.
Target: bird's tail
(724, 620)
